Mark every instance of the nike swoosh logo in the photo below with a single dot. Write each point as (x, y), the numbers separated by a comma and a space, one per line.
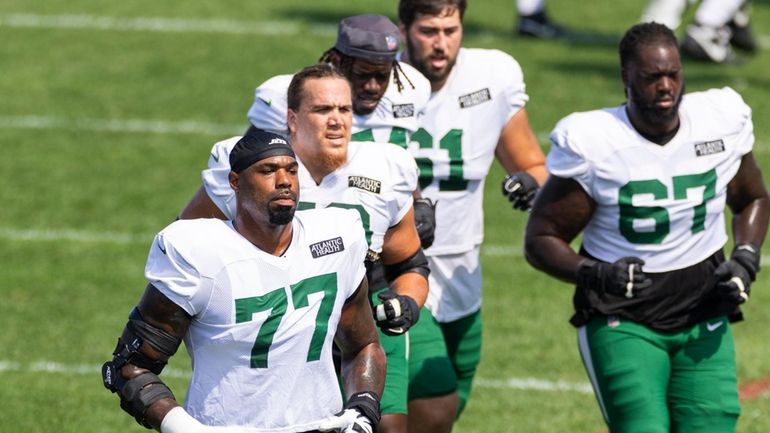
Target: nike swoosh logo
(216, 158)
(268, 102)
(713, 326)
(160, 246)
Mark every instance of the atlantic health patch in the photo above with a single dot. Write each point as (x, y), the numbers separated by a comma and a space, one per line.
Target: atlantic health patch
(364, 183)
(403, 110)
(475, 98)
(709, 147)
(329, 246)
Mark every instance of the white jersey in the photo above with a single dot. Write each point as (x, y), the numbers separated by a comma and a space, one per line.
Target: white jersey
(262, 326)
(392, 121)
(456, 143)
(664, 204)
(377, 180)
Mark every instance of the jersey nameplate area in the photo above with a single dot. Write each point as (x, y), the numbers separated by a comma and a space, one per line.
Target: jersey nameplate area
(403, 110)
(709, 147)
(365, 184)
(475, 98)
(329, 246)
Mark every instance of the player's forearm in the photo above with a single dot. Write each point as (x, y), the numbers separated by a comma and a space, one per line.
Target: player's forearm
(750, 225)
(365, 371)
(553, 256)
(413, 285)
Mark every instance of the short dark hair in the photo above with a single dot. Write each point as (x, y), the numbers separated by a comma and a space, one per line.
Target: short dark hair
(644, 34)
(408, 9)
(320, 70)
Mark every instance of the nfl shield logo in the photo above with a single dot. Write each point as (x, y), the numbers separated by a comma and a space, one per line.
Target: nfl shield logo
(613, 321)
(391, 42)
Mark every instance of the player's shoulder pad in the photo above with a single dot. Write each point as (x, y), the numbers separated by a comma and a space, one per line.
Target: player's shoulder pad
(492, 62)
(578, 131)
(725, 105)
(191, 238)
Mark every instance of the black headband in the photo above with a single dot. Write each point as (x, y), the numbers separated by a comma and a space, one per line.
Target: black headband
(256, 145)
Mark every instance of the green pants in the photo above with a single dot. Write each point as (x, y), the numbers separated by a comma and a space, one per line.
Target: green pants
(648, 381)
(443, 357)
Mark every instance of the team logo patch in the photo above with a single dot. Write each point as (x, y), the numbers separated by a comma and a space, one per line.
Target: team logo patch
(403, 110)
(709, 147)
(329, 246)
(364, 183)
(475, 98)
(391, 42)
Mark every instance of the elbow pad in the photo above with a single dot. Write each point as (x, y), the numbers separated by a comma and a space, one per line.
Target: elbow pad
(417, 263)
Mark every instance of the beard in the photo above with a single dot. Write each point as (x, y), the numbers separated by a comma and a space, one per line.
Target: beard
(280, 215)
(433, 75)
(653, 115)
(331, 161)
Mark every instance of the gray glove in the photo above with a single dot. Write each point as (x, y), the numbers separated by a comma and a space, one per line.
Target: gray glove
(520, 188)
(425, 220)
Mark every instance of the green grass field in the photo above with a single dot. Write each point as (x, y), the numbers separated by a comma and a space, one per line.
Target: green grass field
(109, 110)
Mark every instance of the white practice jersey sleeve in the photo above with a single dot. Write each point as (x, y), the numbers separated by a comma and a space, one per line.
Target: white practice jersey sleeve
(216, 177)
(262, 326)
(269, 109)
(455, 145)
(664, 204)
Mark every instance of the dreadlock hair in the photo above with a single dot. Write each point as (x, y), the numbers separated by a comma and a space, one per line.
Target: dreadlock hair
(296, 87)
(644, 34)
(346, 66)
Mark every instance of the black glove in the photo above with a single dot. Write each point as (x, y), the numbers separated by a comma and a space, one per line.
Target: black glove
(520, 189)
(396, 314)
(734, 277)
(360, 415)
(624, 277)
(425, 220)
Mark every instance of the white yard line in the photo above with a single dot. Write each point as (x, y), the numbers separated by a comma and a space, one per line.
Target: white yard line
(16, 234)
(523, 383)
(120, 125)
(164, 25)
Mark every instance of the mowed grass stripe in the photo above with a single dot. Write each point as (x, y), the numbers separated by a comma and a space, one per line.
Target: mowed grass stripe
(164, 25)
(119, 125)
(72, 235)
(143, 126)
(525, 383)
(179, 25)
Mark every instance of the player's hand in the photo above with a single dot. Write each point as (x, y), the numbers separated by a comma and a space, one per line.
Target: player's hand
(734, 277)
(360, 415)
(520, 188)
(396, 314)
(425, 220)
(624, 277)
